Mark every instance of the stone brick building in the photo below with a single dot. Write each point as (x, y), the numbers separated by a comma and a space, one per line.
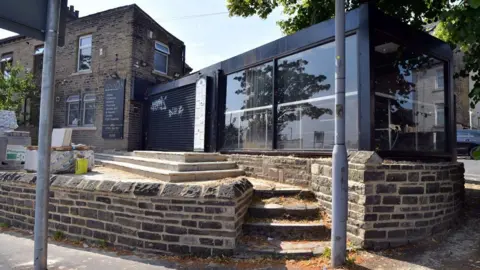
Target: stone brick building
(123, 43)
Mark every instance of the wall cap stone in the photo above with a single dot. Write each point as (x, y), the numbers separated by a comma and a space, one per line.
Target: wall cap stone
(224, 189)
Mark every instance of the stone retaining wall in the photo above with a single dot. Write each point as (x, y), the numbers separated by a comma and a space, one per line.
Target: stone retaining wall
(389, 203)
(151, 217)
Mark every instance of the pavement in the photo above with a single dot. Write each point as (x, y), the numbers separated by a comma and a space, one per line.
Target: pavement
(16, 252)
(472, 169)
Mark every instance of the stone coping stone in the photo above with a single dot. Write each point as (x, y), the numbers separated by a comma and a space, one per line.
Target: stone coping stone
(227, 189)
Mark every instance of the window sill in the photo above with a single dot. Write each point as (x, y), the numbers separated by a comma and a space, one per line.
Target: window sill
(155, 72)
(81, 72)
(438, 90)
(83, 128)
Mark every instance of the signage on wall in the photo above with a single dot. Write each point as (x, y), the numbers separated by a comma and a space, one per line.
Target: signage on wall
(113, 109)
(200, 112)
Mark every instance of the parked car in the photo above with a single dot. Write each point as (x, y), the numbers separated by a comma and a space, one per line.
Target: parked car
(467, 141)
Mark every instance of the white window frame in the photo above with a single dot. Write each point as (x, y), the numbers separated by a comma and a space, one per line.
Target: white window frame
(80, 49)
(437, 72)
(88, 98)
(6, 58)
(73, 99)
(165, 51)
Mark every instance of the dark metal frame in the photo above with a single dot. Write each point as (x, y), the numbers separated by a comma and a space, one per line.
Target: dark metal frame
(362, 22)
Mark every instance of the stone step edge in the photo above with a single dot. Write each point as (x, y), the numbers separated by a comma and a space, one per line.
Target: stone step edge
(275, 206)
(167, 172)
(185, 155)
(268, 193)
(164, 161)
(309, 252)
(285, 225)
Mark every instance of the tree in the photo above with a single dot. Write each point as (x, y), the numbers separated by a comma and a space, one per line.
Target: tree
(17, 87)
(255, 87)
(458, 19)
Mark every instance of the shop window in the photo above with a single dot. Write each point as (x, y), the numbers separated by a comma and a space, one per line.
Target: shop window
(5, 63)
(305, 102)
(73, 111)
(306, 98)
(409, 98)
(248, 114)
(84, 53)
(89, 110)
(161, 57)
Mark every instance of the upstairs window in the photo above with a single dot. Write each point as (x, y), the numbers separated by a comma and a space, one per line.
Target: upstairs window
(5, 62)
(439, 80)
(84, 53)
(160, 57)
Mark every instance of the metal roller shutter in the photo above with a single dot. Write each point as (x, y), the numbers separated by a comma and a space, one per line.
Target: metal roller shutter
(171, 120)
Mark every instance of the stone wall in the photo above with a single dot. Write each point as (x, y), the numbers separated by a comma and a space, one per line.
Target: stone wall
(283, 169)
(389, 203)
(150, 217)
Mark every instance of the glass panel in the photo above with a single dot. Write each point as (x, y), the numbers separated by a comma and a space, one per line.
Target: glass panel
(162, 48)
(248, 115)
(160, 60)
(306, 98)
(73, 114)
(86, 41)
(440, 82)
(409, 107)
(85, 59)
(89, 117)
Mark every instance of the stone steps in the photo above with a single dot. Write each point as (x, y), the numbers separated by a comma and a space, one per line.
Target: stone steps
(288, 231)
(169, 165)
(280, 248)
(285, 192)
(171, 176)
(181, 156)
(278, 211)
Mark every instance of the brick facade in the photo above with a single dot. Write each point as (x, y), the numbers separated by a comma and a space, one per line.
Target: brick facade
(149, 217)
(389, 203)
(121, 45)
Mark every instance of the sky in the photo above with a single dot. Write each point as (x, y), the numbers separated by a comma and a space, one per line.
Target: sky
(209, 39)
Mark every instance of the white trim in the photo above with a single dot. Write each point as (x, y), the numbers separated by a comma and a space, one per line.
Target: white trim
(84, 47)
(167, 52)
(348, 94)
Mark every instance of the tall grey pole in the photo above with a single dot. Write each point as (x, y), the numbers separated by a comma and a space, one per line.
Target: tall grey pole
(45, 136)
(340, 163)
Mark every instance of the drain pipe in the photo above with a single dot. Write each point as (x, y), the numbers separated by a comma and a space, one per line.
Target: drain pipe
(340, 163)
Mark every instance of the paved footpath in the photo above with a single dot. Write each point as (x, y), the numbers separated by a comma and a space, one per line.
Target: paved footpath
(16, 252)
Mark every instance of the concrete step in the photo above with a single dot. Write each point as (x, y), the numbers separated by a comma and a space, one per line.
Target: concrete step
(288, 230)
(285, 192)
(181, 156)
(169, 165)
(171, 176)
(278, 211)
(249, 247)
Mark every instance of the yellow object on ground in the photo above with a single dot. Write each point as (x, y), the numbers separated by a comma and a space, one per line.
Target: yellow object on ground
(81, 166)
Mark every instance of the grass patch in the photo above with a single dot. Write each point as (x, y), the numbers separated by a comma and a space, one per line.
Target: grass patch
(4, 225)
(58, 236)
(102, 244)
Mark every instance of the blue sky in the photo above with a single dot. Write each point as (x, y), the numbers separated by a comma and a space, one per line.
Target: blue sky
(209, 39)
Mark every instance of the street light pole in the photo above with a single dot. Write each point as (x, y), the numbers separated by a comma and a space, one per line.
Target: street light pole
(340, 162)
(45, 136)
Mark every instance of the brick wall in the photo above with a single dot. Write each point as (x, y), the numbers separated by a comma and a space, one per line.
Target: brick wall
(121, 45)
(150, 217)
(283, 169)
(394, 203)
(389, 203)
